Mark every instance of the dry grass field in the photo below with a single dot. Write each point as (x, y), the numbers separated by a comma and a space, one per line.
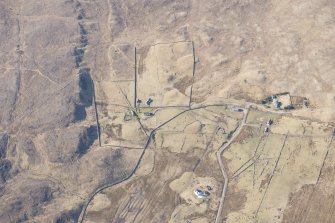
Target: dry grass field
(181, 158)
(165, 73)
(266, 169)
(75, 146)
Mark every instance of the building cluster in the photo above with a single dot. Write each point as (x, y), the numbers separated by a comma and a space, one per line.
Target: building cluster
(281, 101)
(276, 102)
(148, 103)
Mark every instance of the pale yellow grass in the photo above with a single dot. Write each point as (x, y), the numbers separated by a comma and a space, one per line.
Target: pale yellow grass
(185, 186)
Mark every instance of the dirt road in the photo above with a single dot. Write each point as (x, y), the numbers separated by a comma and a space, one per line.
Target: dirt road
(219, 153)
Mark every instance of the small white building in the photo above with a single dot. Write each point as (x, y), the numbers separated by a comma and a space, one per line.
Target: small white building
(201, 194)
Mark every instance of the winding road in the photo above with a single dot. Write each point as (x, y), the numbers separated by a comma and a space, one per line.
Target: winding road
(220, 160)
(218, 218)
(98, 190)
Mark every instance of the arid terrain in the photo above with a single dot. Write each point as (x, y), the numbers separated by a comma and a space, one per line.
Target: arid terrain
(167, 111)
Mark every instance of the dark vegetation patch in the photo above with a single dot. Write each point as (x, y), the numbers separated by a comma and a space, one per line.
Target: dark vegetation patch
(115, 167)
(5, 164)
(113, 131)
(78, 54)
(235, 201)
(142, 54)
(83, 36)
(3, 145)
(79, 113)
(29, 148)
(5, 167)
(183, 83)
(86, 93)
(81, 14)
(69, 144)
(264, 182)
(247, 133)
(22, 207)
(171, 77)
(86, 139)
(70, 216)
(86, 87)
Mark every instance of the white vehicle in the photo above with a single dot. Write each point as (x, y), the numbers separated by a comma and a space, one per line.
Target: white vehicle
(148, 114)
(236, 109)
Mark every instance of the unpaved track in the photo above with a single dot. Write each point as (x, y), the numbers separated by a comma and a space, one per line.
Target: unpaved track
(225, 175)
(248, 105)
(219, 153)
(98, 190)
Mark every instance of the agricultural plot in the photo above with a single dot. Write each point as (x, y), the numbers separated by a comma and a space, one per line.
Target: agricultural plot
(116, 121)
(116, 93)
(265, 169)
(122, 59)
(180, 158)
(114, 97)
(257, 117)
(118, 127)
(165, 74)
(159, 116)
